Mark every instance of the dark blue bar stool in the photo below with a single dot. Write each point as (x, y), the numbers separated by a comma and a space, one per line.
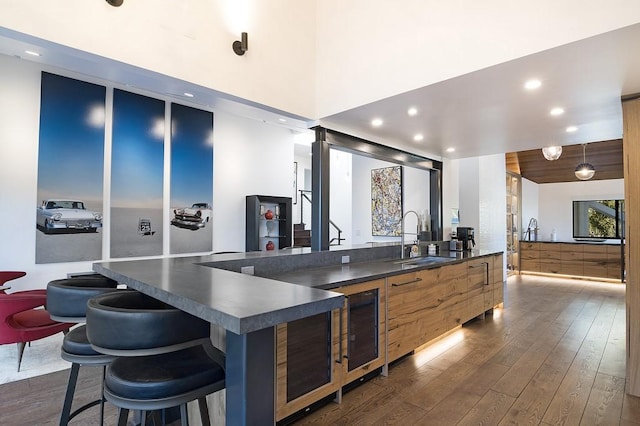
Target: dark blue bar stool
(67, 301)
(164, 355)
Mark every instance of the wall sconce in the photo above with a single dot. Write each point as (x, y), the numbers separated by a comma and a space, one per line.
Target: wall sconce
(552, 152)
(584, 170)
(242, 45)
(115, 3)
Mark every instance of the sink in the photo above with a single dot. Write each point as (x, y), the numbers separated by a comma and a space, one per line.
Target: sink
(423, 261)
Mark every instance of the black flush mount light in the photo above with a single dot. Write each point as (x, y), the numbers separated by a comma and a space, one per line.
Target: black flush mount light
(242, 45)
(115, 3)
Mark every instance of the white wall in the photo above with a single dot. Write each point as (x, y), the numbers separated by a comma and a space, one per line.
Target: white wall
(250, 157)
(450, 195)
(191, 40)
(530, 197)
(314, 57)
(555, 203)
(341, 193)
(482, 197)
(372, 49)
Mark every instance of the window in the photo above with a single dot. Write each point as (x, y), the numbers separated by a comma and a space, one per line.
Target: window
(598, 219)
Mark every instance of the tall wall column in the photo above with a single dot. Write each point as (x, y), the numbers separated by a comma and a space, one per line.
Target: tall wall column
(631, 147)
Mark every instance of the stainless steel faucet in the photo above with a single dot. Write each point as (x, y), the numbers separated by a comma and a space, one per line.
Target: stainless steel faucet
(403, 233)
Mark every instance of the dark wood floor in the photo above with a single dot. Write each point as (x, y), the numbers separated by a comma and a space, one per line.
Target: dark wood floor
(554, 355)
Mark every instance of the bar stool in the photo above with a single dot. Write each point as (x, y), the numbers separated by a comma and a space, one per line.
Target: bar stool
(67, 301)
(164, 355)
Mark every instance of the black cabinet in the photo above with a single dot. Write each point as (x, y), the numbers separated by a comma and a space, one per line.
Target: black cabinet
(362, 328)
(269, 223)
(309, 359)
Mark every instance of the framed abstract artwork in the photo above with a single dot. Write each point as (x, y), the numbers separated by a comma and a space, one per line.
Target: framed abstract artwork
(386, 201)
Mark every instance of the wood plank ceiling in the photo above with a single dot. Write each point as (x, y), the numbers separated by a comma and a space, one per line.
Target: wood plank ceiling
(606, 158)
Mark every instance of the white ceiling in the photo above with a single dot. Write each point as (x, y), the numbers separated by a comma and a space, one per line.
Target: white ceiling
(489, 111)
(481, 113)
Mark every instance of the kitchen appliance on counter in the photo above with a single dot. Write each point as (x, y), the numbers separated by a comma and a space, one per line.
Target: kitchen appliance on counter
(467, 236)
(455, 244)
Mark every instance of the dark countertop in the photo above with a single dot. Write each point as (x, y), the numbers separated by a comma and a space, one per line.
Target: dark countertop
(591, 242)
(237, 302)
(329, 277)
(244, 303)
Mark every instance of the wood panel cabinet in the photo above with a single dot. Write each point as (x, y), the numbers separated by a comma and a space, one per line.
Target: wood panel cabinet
(424, 305)
(478, 286)
(497, 278)
(572, 256)
(529, 256)
(615, 257)
(576, 259)
(550, 258)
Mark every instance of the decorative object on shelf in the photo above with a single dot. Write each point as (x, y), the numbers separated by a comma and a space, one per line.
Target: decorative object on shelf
(271, 226)
(268, 218)
(584, 170)
(242, 45)
(552, 153)
(270, 246)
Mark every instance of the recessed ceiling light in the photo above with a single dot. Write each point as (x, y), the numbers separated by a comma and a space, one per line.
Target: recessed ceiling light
(188, 95)
(418, 137)
(282, 120)
(31, 52)
(376, 122)
(451, 149)
(556, 111)
(413, 111)
(532, 84)
(571, 129)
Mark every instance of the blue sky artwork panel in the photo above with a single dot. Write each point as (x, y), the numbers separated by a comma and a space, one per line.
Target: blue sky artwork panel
(191, 180)
(70, 170)
(137, 164)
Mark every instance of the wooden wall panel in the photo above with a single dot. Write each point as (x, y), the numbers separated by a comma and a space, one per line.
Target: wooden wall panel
(631, 146)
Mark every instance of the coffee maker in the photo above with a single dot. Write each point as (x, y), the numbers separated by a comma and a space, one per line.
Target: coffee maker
(466, 235)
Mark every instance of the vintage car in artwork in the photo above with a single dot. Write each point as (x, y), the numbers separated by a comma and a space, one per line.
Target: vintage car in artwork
(194, 217)
(66, 216)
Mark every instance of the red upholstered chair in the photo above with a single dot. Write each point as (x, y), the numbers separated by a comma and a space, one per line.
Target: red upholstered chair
(12, 275)
(20, 322)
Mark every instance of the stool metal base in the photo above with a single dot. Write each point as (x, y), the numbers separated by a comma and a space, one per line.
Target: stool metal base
(66, 414)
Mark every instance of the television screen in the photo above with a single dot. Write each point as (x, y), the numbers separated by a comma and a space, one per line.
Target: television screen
(598, 219)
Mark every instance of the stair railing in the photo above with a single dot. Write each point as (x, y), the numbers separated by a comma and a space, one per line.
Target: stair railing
(306, 195)
(339, 239)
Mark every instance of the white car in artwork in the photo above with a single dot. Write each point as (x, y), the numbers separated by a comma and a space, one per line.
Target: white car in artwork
(194, 217)
(61, 215)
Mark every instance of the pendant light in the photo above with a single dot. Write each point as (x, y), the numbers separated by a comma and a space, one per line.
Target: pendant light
(584, 170)
(552, 152)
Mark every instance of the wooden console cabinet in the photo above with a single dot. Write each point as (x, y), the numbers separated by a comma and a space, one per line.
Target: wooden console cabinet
(423, 305)
(318, 355)
(575, 259)
(381, 321)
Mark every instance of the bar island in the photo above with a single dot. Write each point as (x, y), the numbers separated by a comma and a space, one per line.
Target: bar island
(247, 307)
(417, 300)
